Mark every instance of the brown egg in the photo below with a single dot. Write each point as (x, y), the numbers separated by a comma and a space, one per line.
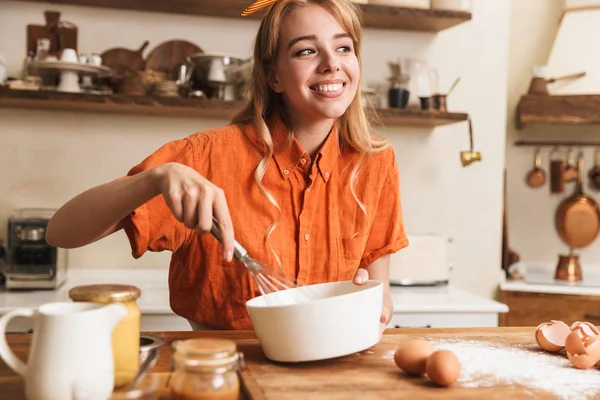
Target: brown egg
(412, 355)
(443, 368)
(551, 335)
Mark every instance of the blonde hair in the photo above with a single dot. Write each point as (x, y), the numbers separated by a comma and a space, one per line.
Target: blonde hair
(353, 126)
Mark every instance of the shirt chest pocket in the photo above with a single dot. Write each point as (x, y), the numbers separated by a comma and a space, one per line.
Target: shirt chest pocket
(349, 254)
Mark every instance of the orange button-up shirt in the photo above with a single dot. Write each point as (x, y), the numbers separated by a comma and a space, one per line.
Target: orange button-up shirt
(314, 239)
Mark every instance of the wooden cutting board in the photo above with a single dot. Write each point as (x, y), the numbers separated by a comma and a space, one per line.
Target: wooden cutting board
(121, 60)
(168, 56)
(61, 35)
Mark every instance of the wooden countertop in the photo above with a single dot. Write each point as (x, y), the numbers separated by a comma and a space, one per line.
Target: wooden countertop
(370, 374)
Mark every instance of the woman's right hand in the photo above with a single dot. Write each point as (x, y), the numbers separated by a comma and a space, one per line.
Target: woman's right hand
(194, 200)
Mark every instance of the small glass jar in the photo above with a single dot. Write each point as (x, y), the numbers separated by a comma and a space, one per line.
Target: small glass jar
(206, 369)
(126, 335)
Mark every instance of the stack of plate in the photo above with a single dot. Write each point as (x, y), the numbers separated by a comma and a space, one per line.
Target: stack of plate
(166, 88)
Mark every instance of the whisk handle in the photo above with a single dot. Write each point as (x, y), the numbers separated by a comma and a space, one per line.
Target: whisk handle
(238, 250)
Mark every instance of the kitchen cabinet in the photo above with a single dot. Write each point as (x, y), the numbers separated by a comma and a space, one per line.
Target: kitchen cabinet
(538, 298)
(528, 308)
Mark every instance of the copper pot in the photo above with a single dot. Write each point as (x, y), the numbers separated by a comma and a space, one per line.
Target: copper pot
(578, 216)
(568, 268)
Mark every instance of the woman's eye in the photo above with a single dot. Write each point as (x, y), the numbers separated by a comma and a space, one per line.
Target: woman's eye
(305, 52)
(346, 49)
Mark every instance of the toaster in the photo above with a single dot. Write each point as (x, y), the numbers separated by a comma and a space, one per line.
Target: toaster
(424, 262)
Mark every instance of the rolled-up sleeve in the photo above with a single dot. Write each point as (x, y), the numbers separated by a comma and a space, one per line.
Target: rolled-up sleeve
(152, 226)
(387, 234)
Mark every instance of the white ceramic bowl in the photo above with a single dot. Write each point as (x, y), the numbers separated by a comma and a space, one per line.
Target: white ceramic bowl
(342, 318)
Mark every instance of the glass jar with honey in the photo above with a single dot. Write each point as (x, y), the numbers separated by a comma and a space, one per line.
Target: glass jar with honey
(126, 335)
(206, 369)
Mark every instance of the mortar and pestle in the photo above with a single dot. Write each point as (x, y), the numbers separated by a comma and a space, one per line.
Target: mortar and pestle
(469, 156)
(539, 84)
(439, 100)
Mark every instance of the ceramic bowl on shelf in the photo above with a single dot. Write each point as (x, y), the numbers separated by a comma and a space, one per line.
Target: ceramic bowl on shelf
(341, 318)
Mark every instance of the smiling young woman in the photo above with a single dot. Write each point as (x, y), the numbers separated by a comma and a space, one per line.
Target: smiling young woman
(308, 187)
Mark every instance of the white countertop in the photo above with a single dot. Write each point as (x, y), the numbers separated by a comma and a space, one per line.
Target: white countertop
(152, 282)
(538, 277)
(155, 294)
(442, 299)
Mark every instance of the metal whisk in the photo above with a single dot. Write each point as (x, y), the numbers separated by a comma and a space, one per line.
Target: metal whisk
(267, 279)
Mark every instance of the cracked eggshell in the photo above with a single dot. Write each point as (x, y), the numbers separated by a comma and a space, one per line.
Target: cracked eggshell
(589, 355)
(581, 332)
(551, 336)
(587, 327)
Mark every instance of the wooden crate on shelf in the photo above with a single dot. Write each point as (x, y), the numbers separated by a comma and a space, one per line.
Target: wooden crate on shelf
(559, 110)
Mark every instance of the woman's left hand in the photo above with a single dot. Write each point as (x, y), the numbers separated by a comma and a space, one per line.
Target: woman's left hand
(362, 276)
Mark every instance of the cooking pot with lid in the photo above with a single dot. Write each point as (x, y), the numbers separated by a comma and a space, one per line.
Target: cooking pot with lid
(210, 72)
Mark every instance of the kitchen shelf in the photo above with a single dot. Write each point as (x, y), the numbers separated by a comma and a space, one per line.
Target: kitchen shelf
(559, 110)
(375, 16)
(183, 107)
(418, 118)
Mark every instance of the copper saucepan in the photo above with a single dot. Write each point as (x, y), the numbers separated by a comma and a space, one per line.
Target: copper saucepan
(578, 216)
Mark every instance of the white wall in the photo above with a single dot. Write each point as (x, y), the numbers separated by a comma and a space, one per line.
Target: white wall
(48, 157)
(566, 47)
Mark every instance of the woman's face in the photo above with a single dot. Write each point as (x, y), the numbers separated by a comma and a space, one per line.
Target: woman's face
(316, 70)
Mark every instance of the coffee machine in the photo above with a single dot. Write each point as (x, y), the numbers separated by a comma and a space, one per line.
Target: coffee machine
(31, 262)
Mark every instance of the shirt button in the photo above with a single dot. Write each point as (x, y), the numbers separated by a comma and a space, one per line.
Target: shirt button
(326, 174)
(306, 236)
(285, 171)
(303, 161)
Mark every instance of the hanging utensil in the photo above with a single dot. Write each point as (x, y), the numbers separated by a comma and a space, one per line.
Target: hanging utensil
(469, 156)
(594, 173)
(570, 172)
(537, 176)
(557, 169)
(578, 216)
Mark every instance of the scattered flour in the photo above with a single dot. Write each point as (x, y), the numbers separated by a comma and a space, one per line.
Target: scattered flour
(485, 364)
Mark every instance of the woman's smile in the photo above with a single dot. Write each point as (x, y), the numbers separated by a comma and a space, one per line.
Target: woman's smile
(329, 89)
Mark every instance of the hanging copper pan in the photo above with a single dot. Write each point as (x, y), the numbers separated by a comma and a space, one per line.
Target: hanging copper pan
(578, 216)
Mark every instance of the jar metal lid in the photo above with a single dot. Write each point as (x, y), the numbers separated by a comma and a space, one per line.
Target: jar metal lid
(207, 351)
(104, 293)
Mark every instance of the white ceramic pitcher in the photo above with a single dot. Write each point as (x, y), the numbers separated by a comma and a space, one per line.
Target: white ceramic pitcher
(71, 342)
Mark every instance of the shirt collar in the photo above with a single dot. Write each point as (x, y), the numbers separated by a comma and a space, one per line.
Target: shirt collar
(288, 152)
